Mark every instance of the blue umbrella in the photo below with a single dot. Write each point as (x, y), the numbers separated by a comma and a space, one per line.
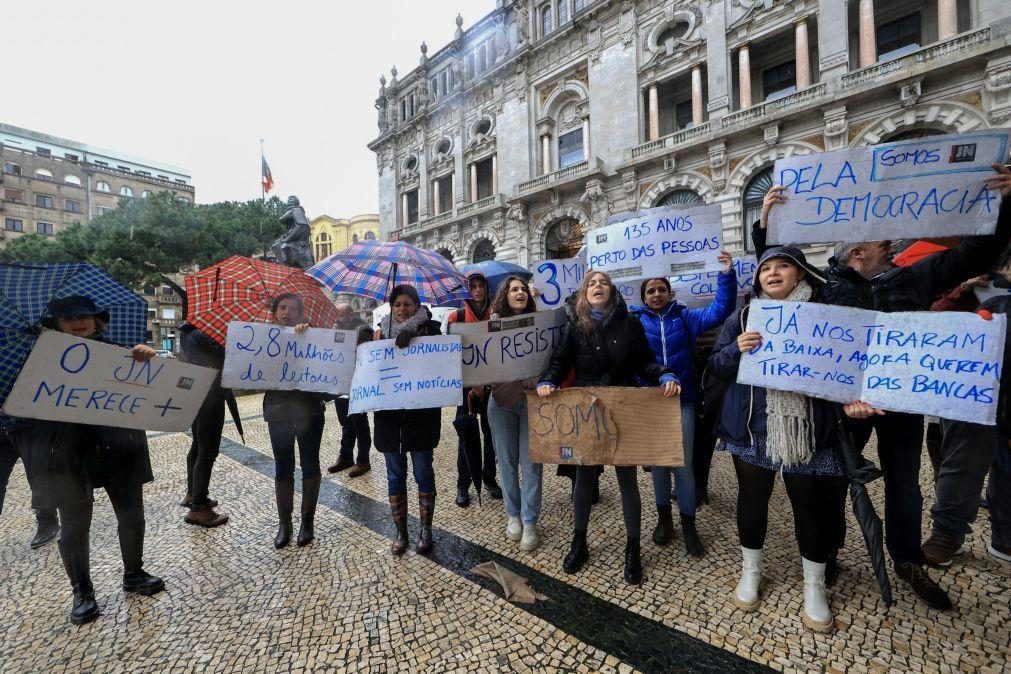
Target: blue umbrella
(496, 272)
(27, 288)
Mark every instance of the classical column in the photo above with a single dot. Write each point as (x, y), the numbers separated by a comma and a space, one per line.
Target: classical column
(473, 182)
(803, 55)
(546, 154)
(697, 113)
(494, 174)
(744, 75)
(947, 19)
(868, 35)
(586, 139)
(435, 197)
(403, 210)
(654, 113)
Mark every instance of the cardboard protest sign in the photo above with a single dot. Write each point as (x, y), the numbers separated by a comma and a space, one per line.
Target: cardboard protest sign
(698, 290)
(609, 426)
(926, 187)
(425, 374)
(83, 381)
(655, 242)
(941, 364)
(263, 356)
(557, 279)
(508, 349)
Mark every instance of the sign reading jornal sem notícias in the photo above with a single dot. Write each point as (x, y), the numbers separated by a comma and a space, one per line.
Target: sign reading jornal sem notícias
(425, 374)
(928, 187)
(84, 381)
(655, 242)
(264, 356)
(508, 349)
(941, 364)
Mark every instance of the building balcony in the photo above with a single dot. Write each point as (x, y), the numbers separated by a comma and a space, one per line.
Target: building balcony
(561, 177)
(669, 142)
(494, 202)
(764, 111)
(477, 207)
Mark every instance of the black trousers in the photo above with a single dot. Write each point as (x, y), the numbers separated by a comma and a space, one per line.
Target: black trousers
(207, 428)
(75, 536)
(631, 503)
(705, 444)
(13, 446)
(487, 468)
(8, 457)
(354, 430)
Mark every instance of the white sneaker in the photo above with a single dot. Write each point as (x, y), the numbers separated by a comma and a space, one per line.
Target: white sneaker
(530, 539)
(1002, 555)
(746, 594)
(816, 616)
(514, 529)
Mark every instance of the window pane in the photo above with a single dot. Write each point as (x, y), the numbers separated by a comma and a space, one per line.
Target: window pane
(570, 148)
(72, 206)
(43, 201)
(563, 12)
(12, 169)
(14, 225)
(14, 195)
(683, 114)
(901, 34)
(45, 228)
(781, 79)
(546, 21)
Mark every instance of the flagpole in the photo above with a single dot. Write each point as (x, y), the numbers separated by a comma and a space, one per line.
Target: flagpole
(263, 202)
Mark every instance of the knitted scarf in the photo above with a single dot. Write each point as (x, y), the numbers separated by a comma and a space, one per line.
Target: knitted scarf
(789, 425)
(412, 324)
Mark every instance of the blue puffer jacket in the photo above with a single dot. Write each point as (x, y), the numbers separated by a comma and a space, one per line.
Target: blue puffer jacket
(672, 332)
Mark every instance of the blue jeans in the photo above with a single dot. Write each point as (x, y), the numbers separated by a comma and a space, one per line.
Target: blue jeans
(684, 477)
(512, 447)
(396, 472)
(283, 435)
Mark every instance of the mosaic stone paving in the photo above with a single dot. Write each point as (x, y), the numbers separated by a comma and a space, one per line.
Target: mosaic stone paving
(344, 604)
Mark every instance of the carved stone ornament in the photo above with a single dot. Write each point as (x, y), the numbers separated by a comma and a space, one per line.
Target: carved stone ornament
(718, 164)
(997, 90)
(517, 213)
(627, 22)
(770, 134)
(909, 94)
(836, 128)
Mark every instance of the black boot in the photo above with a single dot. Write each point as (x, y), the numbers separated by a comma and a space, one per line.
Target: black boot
(693, 544)
(77, 564)
(462, 497)
(426, 509)
(135, 579)
(284, 491)
(578, 552)
(310, 495)
(832, 569)
(398, 508)
(633, 562)
(48, 527)
(664, 532)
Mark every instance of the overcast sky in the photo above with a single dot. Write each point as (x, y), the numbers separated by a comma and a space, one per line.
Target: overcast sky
(197, 83)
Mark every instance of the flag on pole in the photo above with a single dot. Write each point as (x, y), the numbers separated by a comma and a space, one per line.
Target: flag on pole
(268, 180)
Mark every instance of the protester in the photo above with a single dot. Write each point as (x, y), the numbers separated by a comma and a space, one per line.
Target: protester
(998, 487)
(354, 427)
(671, 330)
(15, 443)
(200, 349)
(294, 416)
(474, 310)
(769, 431)
(507, 416)
(862, 275)
(606, 346)
(415, 432)
(74, 459)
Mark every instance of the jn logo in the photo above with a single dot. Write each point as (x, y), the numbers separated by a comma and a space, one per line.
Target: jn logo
(962, 153)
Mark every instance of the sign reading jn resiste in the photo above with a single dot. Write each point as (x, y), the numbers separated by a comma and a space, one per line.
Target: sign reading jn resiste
(508, 349)
(425, 374)
(657, 242)
(929, 187)
(262, 356)
(83, 381)
(942, 364)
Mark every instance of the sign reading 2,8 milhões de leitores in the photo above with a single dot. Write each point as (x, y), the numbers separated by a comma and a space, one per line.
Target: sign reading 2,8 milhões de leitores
(942, 364)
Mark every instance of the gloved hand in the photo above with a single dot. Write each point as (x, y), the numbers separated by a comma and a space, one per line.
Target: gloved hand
(404, 338)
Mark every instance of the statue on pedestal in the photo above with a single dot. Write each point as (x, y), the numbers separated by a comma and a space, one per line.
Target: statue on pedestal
(294, 249)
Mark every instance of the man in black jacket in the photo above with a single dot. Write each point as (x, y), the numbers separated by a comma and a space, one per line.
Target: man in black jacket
(862, 275)
(354, 427)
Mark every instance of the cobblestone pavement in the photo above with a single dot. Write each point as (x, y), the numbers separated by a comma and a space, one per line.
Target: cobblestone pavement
(345, 604)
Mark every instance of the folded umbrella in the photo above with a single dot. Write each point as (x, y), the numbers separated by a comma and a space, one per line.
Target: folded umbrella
(496, 272)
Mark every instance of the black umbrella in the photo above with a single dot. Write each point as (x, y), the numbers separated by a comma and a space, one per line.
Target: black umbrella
(860, 472)
(469, 430)
(233, 408)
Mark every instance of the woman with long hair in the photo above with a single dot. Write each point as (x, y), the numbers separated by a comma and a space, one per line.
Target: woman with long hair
(606, 346)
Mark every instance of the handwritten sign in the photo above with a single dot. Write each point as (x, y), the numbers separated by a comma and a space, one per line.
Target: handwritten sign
(83, 381)
(509, 349)
(657, 242)
(698, 290)
(425, 374)
(557, 279)
(926, 187)
(941, 364)
(605, 426)
(262, 356)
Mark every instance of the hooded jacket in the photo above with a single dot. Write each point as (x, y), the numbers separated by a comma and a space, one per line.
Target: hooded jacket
(473, 312)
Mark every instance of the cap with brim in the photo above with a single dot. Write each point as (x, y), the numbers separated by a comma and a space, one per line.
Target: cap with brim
(795, 256)
(68, 307)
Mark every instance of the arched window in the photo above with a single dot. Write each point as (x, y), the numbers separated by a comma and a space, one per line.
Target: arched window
(145, 193)
(71, 179)
(446, 253)
(912, 134)
(370, 236)
(323, 246)
(484, 250)
(102, 186)
(677, 197)
(564, 239)
(411, 163)
(126, 191)
(563, 12)
(754, 194)
(44, 174)
(546, 25)
(668, 39)
(354, 238)
(11, 168)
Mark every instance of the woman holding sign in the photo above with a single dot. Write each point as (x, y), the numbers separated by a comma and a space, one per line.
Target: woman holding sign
(75, 459)
(294, 416)
(770, 431)
(606, 346)
(415, 432)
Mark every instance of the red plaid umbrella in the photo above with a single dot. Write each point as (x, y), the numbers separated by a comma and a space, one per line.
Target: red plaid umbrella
(242, 289)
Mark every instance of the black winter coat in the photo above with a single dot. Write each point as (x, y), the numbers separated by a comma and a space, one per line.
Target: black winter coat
(410, 430)
(292, 405)
(1001, 305)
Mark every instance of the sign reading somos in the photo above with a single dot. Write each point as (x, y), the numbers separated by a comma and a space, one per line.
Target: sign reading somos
(266, 356)
(942, 364)
(425, 374)
(655, 242)
(83, 381)
(929, 187)
(508, 349)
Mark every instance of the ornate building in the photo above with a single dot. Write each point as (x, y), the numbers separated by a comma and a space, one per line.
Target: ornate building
(330, 235)
(546, 116)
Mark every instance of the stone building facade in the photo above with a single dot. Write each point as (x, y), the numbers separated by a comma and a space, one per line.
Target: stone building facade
(546, 116)
(330, 235)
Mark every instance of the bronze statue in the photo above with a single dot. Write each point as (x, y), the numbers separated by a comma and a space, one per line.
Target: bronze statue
(294, 249)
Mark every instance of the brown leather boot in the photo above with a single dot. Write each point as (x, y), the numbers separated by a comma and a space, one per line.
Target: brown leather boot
(398, 507)
(310, 495)
(204, 516)
(426, 506)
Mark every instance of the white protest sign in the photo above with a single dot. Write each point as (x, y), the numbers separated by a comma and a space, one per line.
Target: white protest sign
(263, 356)
(508, 349)
(657, 242)
(698, 290)
(557, 279)
(380, 313)
(84, 381)
(926, 187)
(425, 374)
(942, 364)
